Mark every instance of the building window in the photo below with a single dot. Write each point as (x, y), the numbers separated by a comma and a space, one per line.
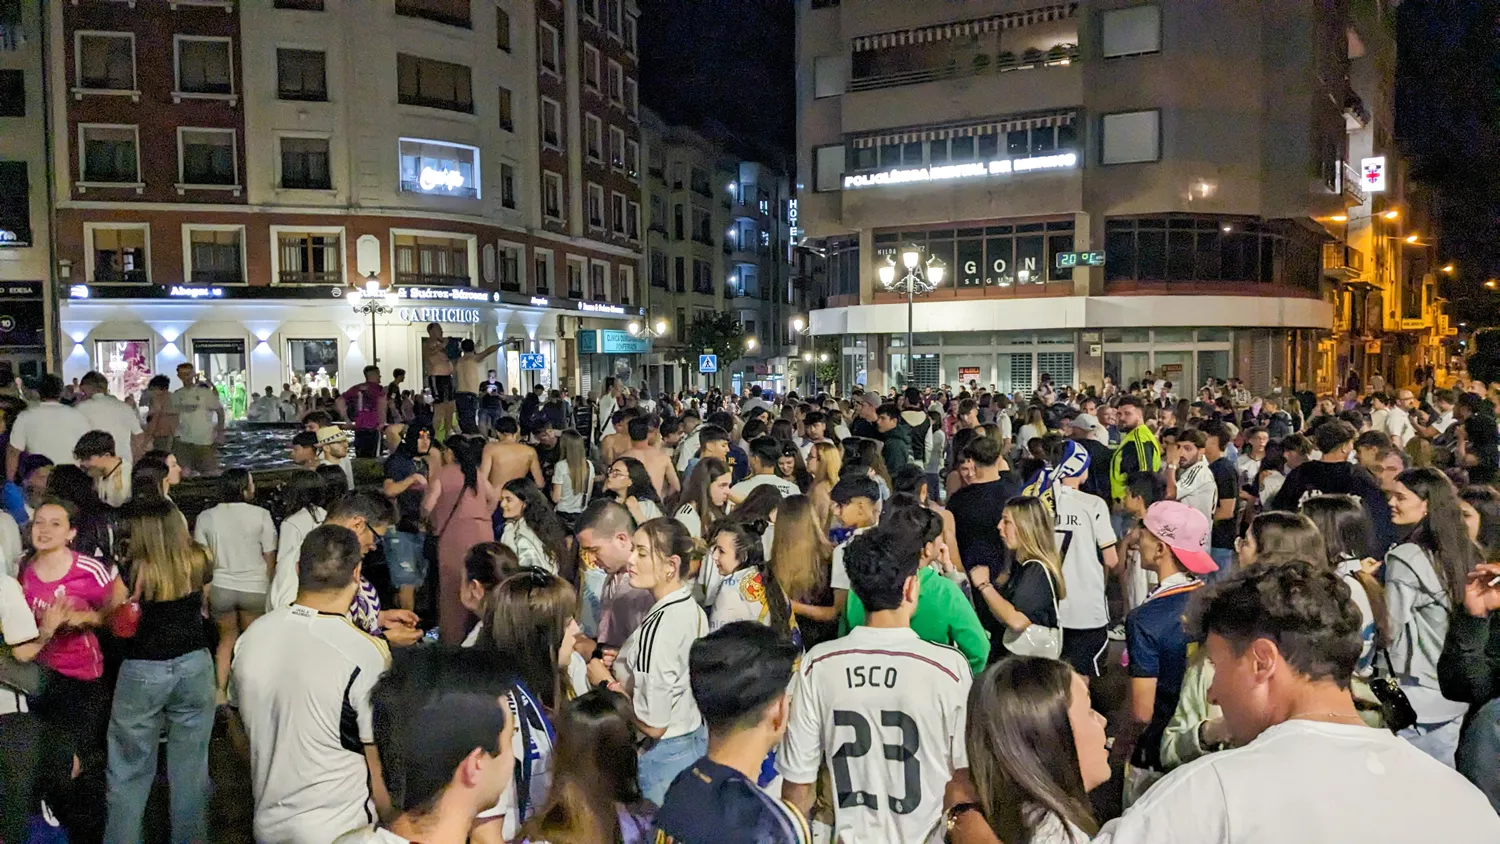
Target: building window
(12, 93)
(106, 61)
(203, 66)
(1130, 137)
(424, 260)
(679, 273)
(552, 195)
(547, 47)
(1132, 31)
(632, 98)
(1206, 248)
(616, 148)
(630, 45)
(703, 227)
(301, 75)
(625, 283)
(679, 175)
(632, 159)
(551, 124)
(214, 256)
(658, 269)
(543, 274)
(450, 12)
(575, 278)
(439, 167)
(507, 185)
(590, 10)
(309, 258)
(207, 157)
(615, 78)
(302, 5)
(830, 74)
(510, 268)
(596, 206)
(304, 164)
(633, 221)
(598, 281)
(119, 255)
(433, 84)
(110, 154)
(502, 29)
(703, 279)
(506, 105)
(617, 213)
(593, 137)
(677, 217)
(700, 183)
(616, 11)
(15, 204)
(591, 66)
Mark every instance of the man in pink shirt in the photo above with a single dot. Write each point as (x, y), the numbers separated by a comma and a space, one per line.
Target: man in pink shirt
(364, 404)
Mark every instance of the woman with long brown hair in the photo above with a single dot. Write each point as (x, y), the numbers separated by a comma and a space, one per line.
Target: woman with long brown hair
(595, 796)
(1036, 749)
(1347, 540)
(825, 460)
(801, 560)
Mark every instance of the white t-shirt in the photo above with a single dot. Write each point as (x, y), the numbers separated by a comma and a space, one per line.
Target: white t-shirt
(17, 627)
(1307, 782)
(10, 545)
(903, 701)
(839, 576)
(1083, 532)
(301, 680)
(520, 538)
(570, 500)
(743, 488)
(370, 835)
(239, 534)
(193, 407)
(51, 430)
(107, 413)
(284, 584)
(653, 664)
(738, 598)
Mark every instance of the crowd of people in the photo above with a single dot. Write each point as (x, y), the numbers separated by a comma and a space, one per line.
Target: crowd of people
(708, 617)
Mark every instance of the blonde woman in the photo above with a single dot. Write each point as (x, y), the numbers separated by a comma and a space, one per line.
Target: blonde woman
(166, 683)
(801, 560)
(573, 477)
(1030, 594)
(824, 461)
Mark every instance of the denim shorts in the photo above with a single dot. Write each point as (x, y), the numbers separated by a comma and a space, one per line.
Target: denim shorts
(404, 558)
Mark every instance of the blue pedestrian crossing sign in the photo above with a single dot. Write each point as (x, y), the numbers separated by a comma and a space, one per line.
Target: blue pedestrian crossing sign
(708, 363)
(533, 361)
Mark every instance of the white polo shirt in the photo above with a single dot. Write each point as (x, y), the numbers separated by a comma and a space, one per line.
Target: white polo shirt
(121, 421)
(653, 664)
(51, 430)
(240, 534)
(301, 680)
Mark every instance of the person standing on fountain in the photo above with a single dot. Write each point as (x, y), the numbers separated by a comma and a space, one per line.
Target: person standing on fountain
(439, 369)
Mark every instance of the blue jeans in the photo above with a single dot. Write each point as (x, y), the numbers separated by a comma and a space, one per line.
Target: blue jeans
(668, 758)
(404, 559)
(178, 695)
(1479, 748)
(1438, 740)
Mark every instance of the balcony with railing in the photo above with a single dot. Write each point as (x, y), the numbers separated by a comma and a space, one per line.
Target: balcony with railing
(1343, 262)
(1351, 186)
(979, 64)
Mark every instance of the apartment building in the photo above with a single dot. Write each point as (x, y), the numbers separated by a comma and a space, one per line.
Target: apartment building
(27, 320)
(1111, 186)
(229, 172)
(717, 240)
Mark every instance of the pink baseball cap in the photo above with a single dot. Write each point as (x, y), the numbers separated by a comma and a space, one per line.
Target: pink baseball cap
(1184, 530)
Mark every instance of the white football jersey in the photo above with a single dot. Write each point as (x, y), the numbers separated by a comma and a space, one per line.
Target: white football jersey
(885, 711)
(1083, 531)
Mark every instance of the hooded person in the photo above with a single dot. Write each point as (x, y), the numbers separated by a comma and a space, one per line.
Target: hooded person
(916, 424)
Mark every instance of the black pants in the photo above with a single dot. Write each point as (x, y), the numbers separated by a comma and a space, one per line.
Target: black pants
(468, 412)
(366, 442)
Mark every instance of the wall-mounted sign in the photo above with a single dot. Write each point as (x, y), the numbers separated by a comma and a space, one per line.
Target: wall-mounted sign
(449, 315)
(447, 294)
(157, 291)
(1372, 174)
(1068, 260)
(533, 362)
(600, 308)
(180, 292)
(540, 301)
(608, 341)
(439, 167)
(9, 237)
(708, 363)
(951, 172)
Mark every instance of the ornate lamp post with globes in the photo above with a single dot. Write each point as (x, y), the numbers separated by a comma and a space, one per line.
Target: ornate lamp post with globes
(917, 278)
(370, 299)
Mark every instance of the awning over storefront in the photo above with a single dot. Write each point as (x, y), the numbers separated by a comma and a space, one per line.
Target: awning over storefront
(959, 29)
(990, 126)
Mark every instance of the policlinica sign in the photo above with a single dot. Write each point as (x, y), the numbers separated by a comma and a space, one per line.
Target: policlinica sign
(950, 172)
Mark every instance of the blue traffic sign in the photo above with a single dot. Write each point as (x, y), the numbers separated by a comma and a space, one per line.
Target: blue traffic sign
(708, 363)
(533, 361)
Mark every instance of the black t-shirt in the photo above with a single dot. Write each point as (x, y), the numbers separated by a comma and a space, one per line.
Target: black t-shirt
(865, 429)
(1098, 479)
(976, 513)
(398, 467)
(168, 629)
(1028, 589)
(1226, 480)
(1483, 440)
(1317, 477)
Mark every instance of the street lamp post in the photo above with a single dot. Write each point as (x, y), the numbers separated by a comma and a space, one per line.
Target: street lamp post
(917, 276)
(372, 301)
(645, 327)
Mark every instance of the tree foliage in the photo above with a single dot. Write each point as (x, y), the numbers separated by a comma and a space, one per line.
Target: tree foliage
(716, 333)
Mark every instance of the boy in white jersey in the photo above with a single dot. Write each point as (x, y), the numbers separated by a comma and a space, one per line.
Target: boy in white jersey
(1086, 543)
(882, 708)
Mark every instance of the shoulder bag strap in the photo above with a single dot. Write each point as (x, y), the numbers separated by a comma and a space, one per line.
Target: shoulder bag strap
(451, 513)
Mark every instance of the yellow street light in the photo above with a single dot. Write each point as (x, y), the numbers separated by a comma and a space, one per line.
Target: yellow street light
(1411, 238)
(1490, 284)
(1340, 218)
(798, 323)
(1391, 214)
(661, 326)
(807, 356)
(910, 258)
(888, 274)
(750, 343)
(1448, 269)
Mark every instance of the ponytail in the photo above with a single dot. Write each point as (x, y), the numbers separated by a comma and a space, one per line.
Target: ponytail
(670, 538)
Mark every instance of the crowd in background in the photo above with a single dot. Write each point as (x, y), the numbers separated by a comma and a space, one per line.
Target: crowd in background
(705, 617)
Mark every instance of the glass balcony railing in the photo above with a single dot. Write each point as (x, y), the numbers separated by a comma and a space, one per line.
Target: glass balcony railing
(983, 64)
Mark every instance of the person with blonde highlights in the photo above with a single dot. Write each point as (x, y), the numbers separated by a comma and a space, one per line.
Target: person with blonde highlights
(1027, 596)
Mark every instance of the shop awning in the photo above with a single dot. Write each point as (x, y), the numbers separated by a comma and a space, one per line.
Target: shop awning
(959, 29)
(993, 126)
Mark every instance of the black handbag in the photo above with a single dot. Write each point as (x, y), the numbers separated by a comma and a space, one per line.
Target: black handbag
(22, 677)
(1395, 708)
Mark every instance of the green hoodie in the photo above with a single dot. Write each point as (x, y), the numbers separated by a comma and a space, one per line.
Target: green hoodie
(1138, 452)
(944, 616)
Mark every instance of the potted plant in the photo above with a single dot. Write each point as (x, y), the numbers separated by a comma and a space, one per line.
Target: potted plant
(981, 63)
(1006, 60)
(1031, 57)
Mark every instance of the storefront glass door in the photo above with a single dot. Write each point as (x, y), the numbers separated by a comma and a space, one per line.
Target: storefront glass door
(222, 364)
(126, 364)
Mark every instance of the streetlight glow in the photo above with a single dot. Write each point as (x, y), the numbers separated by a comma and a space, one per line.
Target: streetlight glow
(888, 274)
(910, 258)
(807, 356)
(1391, 214)
(1411, 238)
(1448, 269)
(633, 327)
(661, 326)
(797, 323)
(936, 273)
(1340, 218)
(750, 343)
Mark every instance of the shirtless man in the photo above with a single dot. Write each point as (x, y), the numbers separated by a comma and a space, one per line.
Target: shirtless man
(507, 458)
(614, 444)
(439, 370)
(658, 461)
(467, 368)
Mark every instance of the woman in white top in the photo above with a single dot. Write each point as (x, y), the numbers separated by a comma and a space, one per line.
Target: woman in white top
(532, 529)
(306, 497)
(1034, 427)
(705, 496)
(573, 477)
(629, 483)
(1036, 749)
(749, 591)
(652, 666)
(241, 538)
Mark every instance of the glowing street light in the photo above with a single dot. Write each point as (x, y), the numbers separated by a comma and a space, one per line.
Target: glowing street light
(1391, 214)
(916, 278)
(1448, 269)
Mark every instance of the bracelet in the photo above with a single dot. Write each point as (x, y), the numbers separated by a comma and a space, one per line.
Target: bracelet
(951, 816)
(985, 584)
